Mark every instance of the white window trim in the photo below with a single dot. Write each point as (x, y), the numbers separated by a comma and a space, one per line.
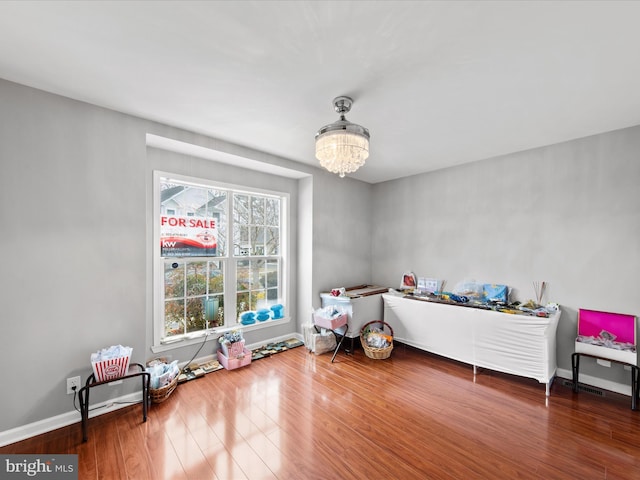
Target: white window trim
(158, 265)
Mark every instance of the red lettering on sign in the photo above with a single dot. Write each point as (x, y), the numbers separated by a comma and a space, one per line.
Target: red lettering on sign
(173, 221)
(194, 223)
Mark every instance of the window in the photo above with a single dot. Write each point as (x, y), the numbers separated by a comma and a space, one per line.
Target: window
(219, 252)
(256, 221)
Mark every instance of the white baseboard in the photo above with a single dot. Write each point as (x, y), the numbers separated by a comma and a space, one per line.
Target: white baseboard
(597, 382)
(281, 338)
(49, 424)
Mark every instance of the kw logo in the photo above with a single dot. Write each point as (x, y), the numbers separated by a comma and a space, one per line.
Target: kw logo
(168, 244)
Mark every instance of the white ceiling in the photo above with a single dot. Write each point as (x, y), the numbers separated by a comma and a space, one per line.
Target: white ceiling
(436, 83)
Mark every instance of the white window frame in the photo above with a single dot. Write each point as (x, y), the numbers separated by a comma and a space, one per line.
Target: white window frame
(159, 342)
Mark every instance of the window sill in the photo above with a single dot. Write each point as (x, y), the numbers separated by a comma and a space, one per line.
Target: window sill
(213, 334)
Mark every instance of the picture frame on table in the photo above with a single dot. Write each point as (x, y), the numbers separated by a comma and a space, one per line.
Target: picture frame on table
(408, 281)
(428, 285)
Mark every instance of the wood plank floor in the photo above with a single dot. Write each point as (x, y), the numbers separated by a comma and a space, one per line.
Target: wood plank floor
(414, 416)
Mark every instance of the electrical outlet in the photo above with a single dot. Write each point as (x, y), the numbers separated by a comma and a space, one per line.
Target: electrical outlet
(71, 383)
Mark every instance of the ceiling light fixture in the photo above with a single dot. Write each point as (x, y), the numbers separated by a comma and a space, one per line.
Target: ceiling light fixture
(342, 147)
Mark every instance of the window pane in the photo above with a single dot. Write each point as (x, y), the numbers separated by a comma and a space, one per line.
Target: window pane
(272, 211)
(258, 298)
(257, 240)
(217, 205)
(173, 279)
(243, 303)
(242, 246)
(272, 273)
(272, 241)
(174, 318)
(214, 311)
(195, 314)
(216, 277)
(250, 300)
(196, 278)
(258, 274)
(214, 304)
(257, 210)
(243, 275)
(241, 209)
(183, 201)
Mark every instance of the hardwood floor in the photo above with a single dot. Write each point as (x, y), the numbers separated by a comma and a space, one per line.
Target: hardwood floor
(413, 416)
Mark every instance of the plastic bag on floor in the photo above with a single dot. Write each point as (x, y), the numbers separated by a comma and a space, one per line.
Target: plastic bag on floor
(318, 342)
(308, 330)
(323, 342)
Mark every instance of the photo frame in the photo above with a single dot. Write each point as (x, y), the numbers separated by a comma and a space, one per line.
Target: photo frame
(408, 281)
(428, 285)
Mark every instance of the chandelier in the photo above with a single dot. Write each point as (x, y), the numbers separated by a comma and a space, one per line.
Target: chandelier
(342, 147)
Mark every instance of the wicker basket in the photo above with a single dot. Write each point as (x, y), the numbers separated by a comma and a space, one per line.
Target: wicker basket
(372, 352)
(159, 395)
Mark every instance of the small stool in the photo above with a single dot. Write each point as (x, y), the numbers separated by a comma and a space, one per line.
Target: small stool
(135, 370)
(635, 391)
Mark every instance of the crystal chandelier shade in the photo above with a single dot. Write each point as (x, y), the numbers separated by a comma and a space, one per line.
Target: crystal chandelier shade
(342, 147)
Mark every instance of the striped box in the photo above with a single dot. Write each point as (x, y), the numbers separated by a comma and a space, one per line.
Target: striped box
(112, 369)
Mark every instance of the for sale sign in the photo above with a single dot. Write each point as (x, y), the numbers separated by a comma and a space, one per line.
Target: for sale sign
(182, 236)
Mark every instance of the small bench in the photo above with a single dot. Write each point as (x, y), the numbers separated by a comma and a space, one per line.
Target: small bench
(607, 336)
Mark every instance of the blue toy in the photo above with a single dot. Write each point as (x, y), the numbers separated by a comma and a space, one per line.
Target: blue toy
(247, 318)
(277, 311)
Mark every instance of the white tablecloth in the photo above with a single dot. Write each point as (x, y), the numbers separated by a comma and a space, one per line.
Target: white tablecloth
(516, 344)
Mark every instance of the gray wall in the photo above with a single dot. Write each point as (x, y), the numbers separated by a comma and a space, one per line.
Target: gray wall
(568, 214)
(341, 233)
(76, 237)
(336, 251)
(75, 202)
(73, 242)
